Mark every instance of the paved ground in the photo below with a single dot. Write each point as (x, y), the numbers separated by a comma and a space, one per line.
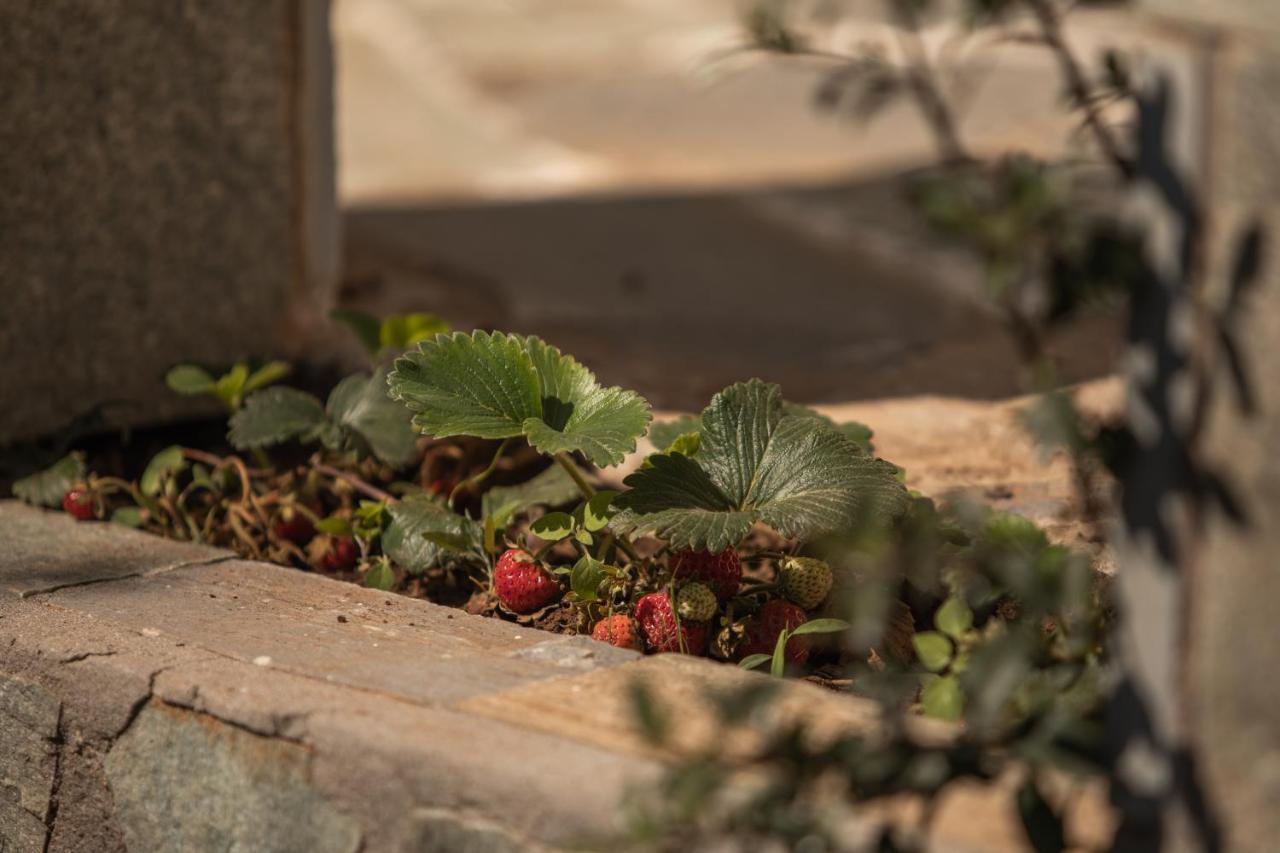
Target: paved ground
(564, 169)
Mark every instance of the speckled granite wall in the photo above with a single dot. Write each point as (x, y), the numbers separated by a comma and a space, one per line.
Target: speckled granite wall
(167, 175)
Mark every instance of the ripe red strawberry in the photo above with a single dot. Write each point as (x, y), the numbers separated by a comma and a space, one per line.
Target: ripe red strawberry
(521, 584)
(722, 572)
(658, 624)
(342, 554)
(762, 631)
(617, 630)
(79, 503)
(294, 526)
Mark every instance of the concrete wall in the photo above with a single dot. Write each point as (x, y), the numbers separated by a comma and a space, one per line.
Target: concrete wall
(168, 195)
(1231, 699)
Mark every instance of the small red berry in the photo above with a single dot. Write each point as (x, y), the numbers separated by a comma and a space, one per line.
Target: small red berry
(722, 572)
(342, 554)
(521, 584)
(762, 631)
(617, 630)
(79, 503)
(293, 526)
(658, 624)
(443, 486)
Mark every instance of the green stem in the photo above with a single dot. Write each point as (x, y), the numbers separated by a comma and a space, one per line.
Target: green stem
(589, 492)
(482, 476)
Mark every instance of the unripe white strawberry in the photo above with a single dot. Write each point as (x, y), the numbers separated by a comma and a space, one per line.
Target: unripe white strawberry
(805, 580)
(696, 602)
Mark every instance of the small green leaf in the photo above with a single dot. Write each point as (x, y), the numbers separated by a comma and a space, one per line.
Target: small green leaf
(663, 433)
(586, 577)
(821, 626)
(779, 665)
(366, 327)
(584, 536)
(334, 526)
(128, 516)
(596, 513)
(371, 421)
(189, 379)
(753, 661)
(688, 443)
(421, 529)
(230, 386)
(269, 373)
(933, 649)
(553, 526)
(47, 487)
(200, 477)
(400, 331)
(167, 463)
(942, 699)
(954, 618)
(275, 415)
(380, 575)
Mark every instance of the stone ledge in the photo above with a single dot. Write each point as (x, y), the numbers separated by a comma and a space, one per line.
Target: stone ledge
(201, 702)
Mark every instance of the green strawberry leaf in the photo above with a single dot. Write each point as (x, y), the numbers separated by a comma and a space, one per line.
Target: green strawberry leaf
(47, 487)
(821, 626)
(361, 406)
(366, 328)
(334, 526)
(380, 575)
(553, 526)
(796, 474)
(942, 698)
(400, 331)
(480, 384)
(553, 487)
(860, 434)
(274, 416)
(585, 579)
(664, 433)
(954, 618)
(230, 386)
(778, 666)
(127, 516)
(753, 661)
(269, 373)
(594, 515)
(421, 530)
(189, 379)
(933, 649)
(166, 463)
(499, 386)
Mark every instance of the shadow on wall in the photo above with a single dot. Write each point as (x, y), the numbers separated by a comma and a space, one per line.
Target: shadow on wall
(837, 292)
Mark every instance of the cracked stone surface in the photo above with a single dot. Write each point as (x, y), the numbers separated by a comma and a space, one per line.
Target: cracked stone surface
(28, 762)
(86, 553)
(183, 781)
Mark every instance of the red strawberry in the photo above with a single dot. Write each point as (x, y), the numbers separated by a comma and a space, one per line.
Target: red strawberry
(342, 554)
(617, 630)
(763, 630)
(294, 526)
(521, 584)
(658, 623)
(722, 572)
(79, 503)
